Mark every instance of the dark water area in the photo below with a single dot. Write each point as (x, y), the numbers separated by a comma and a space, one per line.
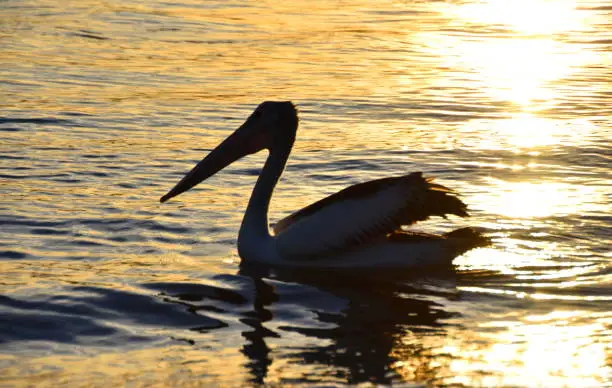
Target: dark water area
(105, 105)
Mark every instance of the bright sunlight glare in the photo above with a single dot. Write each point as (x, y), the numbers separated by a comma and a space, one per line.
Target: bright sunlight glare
(522, 66)
(535, 199)
(524, 16)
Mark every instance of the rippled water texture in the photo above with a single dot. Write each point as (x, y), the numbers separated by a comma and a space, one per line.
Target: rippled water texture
(104, 105)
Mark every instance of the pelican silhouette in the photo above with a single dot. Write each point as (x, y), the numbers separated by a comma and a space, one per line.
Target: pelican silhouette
(358, 227)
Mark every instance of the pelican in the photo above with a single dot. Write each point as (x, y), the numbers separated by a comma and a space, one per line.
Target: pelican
(358, 227)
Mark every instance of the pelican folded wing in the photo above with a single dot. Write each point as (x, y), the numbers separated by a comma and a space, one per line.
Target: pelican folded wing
(361, 214)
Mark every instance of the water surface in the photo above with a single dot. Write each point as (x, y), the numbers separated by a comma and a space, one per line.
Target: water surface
(106, 104)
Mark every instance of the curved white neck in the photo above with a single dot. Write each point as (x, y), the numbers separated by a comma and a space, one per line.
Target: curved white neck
(254, 238)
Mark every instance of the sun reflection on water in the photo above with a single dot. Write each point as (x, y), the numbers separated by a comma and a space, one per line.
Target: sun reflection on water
(524, 16)
(521, 64)
(514, 69)
(552, 349)
(523, 67)
(527, 131)
(535, 199)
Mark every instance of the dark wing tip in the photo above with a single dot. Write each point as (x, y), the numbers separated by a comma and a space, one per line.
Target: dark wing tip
(448, 203)
(426, 199)
(446, 200)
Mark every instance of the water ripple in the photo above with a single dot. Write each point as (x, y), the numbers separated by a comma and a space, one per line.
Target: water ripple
(508, 108)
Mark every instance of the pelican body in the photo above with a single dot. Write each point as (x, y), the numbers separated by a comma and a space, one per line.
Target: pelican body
(358, 227)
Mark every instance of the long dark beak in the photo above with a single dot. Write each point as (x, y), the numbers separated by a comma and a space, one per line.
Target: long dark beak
(244, 141)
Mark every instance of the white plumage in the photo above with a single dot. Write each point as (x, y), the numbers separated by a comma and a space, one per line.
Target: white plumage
(341, 224)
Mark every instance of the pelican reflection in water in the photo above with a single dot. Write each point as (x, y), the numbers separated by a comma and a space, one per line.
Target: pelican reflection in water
(358, 227)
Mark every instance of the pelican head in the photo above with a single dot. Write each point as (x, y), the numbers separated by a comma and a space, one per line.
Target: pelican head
(271, 126)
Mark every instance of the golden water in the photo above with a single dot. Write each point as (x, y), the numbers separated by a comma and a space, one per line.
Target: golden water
(104, 105)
